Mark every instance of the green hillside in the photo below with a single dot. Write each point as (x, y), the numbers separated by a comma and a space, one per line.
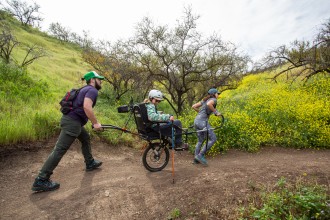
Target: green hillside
(258, 113)
(25, 117)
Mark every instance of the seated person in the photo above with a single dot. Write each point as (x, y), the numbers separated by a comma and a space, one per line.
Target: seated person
(155, 97)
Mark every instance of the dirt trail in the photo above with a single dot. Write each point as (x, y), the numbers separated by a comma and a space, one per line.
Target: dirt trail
(123, 189)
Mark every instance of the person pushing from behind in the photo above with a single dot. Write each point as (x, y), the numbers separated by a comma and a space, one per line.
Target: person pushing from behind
(72, 127)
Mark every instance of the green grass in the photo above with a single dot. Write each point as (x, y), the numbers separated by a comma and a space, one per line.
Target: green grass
(29, 98)
(174, 214)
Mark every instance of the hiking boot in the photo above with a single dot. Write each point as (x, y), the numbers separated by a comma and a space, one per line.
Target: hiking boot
(201, 159)
(195, 161)
(41, 184)
(93, 165)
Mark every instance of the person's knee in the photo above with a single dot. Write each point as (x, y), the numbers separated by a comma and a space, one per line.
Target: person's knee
(63, 145)
(213, 140)
(84, 137)
(85, 140)
(60, 150)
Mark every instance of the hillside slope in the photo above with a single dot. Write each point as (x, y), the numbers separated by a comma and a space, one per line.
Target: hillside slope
(23, 118)
(61, 69)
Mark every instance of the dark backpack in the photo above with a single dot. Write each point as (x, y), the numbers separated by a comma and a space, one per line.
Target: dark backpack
(67, 101)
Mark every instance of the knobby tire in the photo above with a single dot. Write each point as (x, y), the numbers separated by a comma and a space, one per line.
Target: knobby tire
(152, 161)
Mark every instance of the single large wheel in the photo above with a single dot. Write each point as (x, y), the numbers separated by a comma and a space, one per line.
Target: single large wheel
(155, 157)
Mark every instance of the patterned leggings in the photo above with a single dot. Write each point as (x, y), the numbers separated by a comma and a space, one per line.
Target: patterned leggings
(201, 135)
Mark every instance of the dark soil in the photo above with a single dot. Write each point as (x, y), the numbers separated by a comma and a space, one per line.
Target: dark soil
(123, 189)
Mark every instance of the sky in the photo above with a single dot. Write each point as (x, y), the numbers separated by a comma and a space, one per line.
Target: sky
(254, 26)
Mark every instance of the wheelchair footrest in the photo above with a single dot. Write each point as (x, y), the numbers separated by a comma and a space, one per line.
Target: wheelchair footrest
(178, 149)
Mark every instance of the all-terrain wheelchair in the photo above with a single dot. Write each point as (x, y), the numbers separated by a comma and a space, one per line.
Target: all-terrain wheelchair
(156, 155)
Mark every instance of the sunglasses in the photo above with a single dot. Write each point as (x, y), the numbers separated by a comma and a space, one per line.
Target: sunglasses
(158, 101)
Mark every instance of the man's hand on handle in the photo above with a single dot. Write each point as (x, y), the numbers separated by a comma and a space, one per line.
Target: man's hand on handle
(97, 127)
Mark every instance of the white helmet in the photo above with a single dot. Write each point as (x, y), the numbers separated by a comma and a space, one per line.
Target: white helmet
(155, 94)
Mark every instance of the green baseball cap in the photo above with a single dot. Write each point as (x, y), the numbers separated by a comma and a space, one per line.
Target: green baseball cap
(91, 75)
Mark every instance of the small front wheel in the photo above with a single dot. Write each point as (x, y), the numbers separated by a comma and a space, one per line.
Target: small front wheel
(155, 157)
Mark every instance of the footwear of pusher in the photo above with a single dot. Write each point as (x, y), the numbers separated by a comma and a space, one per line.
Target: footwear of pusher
(93, 165)
(43, 185)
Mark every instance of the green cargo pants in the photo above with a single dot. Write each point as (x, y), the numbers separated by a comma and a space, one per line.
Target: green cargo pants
(70, 130)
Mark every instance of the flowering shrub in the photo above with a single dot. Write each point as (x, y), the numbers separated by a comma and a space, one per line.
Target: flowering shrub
(263, 112)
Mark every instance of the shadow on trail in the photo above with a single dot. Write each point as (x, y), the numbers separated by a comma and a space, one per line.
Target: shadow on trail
(53, 203)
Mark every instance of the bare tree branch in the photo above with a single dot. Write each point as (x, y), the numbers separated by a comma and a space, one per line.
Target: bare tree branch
(7, 43)
(303, 58)
(33, 53)
(25, 13)
(181, 60)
